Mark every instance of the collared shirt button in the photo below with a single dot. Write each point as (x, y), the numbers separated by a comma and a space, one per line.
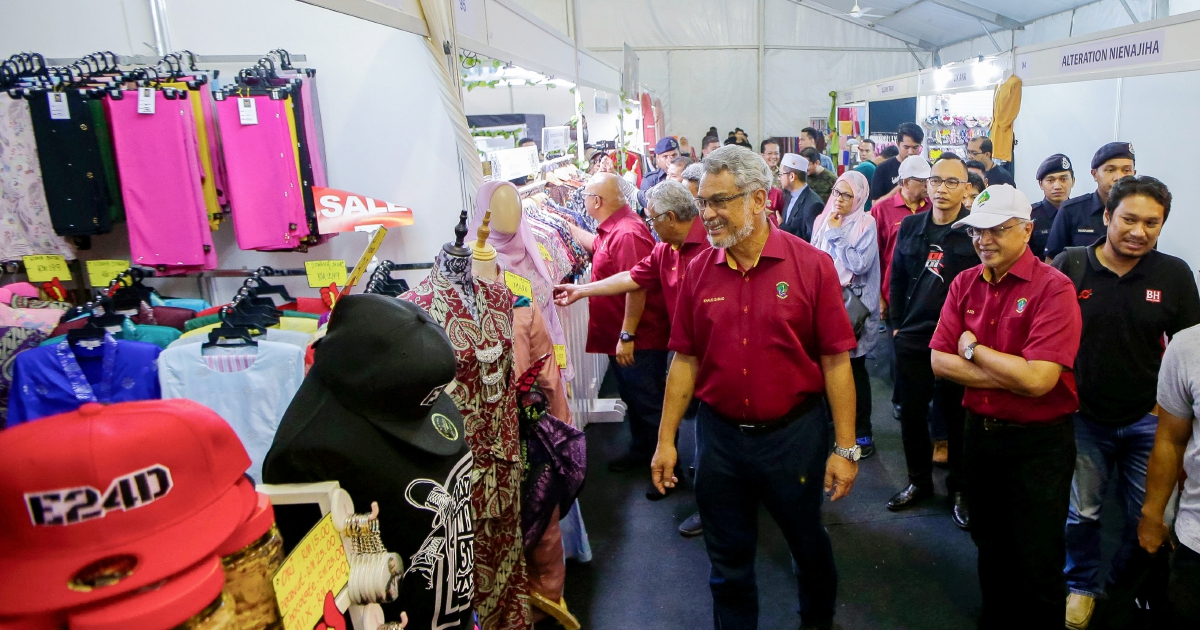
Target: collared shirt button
(745, 309)
(747, 278)
(743, 342)
(993, 322)
(747, 401)
(745, 371)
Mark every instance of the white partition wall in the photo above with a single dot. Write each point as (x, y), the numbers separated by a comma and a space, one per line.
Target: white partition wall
(1074, 119)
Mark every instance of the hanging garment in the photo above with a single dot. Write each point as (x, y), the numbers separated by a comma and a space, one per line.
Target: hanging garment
(483, 392)
(531, 341)
(116, 205)
(25, 224)
(313, 130)
(204, 136)
(72, 171)
(13, 341)
(57, 379)
(290, 337)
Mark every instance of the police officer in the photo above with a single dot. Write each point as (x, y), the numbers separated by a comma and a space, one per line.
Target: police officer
(1080, 222)
(1056, 177)
(665, 152)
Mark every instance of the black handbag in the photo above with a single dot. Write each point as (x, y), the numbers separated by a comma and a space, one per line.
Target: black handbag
(855, 308)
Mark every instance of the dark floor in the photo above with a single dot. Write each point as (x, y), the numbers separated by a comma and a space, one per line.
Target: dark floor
(913, 570)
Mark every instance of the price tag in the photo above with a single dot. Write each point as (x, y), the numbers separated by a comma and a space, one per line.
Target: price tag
(145, 100)
(519, 285)
(322, 273)
(317, 565)
(247, 111)
(46, 267)
(58, 106)
(101, 272)
(545, 254)
(560, 356)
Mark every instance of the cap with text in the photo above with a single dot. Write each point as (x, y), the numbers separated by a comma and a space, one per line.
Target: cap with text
(995, 205)
(1112, 151)
(794, 162)
(915, 166)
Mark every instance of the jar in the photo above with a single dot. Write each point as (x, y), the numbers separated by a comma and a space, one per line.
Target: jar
(221, 614)
(194, 599)
(250, 558)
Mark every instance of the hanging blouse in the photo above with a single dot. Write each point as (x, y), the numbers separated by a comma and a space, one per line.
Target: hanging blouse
(72, 171)
(13, 341)
(25, 225)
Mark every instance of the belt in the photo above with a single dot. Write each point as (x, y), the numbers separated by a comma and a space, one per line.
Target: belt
(994, 424)
(763, 428)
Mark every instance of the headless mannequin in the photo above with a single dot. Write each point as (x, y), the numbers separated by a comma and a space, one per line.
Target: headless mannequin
(454, 261)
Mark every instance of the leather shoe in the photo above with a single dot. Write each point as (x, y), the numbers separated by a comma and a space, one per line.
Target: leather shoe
(962, 512)
(908, 497)
(628, 462)
(691, 527)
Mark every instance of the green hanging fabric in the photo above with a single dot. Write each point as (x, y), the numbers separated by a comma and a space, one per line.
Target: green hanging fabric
(833, 131)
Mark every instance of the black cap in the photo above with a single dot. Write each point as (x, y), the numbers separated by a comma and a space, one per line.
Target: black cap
(1056, 163)
(1111, 151)
(386, 361)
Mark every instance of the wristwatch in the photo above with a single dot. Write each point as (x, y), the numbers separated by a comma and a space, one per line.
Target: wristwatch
(969, 352)
(853, 453)
(627, 337)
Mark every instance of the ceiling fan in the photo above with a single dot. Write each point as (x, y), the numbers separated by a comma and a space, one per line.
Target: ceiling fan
(860, 13)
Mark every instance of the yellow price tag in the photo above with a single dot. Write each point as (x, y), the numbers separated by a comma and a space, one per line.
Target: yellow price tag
(519, 285)
(46, 267)
(322, 273)
(560, 356)
(102, 272)
(545, 254)
(317, 565)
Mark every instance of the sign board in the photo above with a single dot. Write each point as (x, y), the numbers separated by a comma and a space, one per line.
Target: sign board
(46, 267)
(513, 163)
(102, 272)
(322, 273)
(601, 103)
(1131, 50)
(341, 211)
(317, 566)
(556, 139)
(889, 89)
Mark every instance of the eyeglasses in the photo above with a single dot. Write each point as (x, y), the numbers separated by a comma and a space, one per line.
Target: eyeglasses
(974, 154)
(588, 194)
(837, 194)
(994, 232)
(717, 203)
(951, 183)
(650, 221)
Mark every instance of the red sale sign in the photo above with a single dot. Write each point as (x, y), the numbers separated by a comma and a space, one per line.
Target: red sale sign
(341, 211)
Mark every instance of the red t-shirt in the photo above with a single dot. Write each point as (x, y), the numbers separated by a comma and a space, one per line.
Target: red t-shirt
(666, 266)
(1031, 313)
(621, 241)
(888, 215)
(759, 336)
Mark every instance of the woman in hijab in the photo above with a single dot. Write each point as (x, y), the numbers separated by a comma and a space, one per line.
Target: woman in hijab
(847, 233)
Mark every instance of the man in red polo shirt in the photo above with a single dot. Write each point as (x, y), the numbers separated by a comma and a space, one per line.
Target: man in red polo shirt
(911, 199)
(761, 338)
(1008, 333)
(632, 330)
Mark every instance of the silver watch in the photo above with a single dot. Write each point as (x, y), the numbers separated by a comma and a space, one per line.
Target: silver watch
(969, 351)
(853, 453)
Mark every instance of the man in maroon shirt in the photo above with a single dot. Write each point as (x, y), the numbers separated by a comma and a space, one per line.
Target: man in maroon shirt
(911, 199)
(762, 339)
(632, 330)
(1008, 333)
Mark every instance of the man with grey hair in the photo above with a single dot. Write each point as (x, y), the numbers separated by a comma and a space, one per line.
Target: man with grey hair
(691, 177)
(762, 339)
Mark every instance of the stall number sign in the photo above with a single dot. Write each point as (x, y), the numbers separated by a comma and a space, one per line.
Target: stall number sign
(317, 566)
(46, 267)
(102, 272)
(322, 273)
(519, 285)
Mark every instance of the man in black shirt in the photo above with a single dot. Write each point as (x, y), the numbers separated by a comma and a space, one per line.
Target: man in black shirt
(980, 148)
(909, 137)
(1056, 177)
(929, 254)
(1130, 295)
(1080, 221)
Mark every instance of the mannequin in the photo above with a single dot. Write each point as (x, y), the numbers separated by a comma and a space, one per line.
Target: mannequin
(483, 255)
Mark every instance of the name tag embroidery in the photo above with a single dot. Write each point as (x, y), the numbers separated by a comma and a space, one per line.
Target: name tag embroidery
(1085, 230)
(714, 299)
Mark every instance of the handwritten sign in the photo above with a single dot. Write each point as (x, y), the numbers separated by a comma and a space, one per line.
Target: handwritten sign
(101, 272)
(560, 356)
(316, 566)
(545, 253)
(46, 267)
(322, 273)
(519, 285)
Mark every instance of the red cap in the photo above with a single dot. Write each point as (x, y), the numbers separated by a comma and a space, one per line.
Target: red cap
(255, 527)
(42, 621)
(160, 606)
(107, 499)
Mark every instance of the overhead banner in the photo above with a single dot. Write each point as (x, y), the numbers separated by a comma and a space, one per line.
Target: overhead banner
(341, 211)
(1112, 53)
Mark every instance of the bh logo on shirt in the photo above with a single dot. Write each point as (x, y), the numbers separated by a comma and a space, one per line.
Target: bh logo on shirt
(1153, 296)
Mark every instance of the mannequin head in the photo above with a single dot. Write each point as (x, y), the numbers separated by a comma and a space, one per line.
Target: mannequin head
(505, 204)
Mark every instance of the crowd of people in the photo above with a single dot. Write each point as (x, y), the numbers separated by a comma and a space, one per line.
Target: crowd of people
(747, 289)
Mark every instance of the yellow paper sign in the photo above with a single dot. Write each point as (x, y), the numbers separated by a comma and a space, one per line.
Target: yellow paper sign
(46, 267)
(545, 254)
(322, 273)
(102, 272)
(560, 356)
(316, 566)
(519, 285)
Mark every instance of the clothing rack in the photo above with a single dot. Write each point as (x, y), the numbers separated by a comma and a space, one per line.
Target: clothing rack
(550, 165)
(150, 60)
(531, 189)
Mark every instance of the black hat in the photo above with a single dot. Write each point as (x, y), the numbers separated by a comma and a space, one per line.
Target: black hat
(386, 361)
(1056, 163)
(1111, 151)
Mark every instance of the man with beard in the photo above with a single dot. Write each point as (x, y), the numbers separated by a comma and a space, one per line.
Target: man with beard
(1131, 296)
(762, 339)
(1081, 220)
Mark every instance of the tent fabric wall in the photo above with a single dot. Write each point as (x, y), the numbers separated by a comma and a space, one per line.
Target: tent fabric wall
(795, 77)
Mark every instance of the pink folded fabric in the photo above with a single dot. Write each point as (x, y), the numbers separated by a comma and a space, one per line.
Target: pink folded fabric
(23, 289)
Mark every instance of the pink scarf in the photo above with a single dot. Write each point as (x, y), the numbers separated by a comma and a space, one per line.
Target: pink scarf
(853, 224)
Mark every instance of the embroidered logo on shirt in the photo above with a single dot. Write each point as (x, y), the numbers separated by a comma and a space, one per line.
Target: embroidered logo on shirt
(1153, 296)
(1021, 304)
(1085, 294)
(934, 262)
(781, 290)
(68, 506)
(444, 426)
(714, 299)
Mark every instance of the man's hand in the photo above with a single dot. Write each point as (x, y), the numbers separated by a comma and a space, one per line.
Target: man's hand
(964, 340)
(1152, 532)
(662, 467)
(568, 294)
(839, 476)
(624, 353)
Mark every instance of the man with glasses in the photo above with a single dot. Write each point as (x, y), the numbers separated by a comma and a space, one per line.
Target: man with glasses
(769, 149)
(1080, 221)
(616, 324)
(1056, 178)
(930, 253)
(1008, 333)
(909, 137)
(762, 339)
(800, 205)
(980, 148)
(913, 198)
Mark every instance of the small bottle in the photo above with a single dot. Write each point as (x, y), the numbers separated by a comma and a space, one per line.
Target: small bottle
(250, 556)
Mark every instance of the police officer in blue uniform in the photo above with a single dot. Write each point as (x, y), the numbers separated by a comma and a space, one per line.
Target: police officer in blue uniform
(1056, 177)
(1080, 222)
(665, 152)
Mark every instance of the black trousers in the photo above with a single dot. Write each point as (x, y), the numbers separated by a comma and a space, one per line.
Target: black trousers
(1020, 480)
(1184, 586)
(916, 386)
(862, 395)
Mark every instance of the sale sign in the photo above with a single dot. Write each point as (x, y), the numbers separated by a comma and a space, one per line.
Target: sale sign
(341, 211)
